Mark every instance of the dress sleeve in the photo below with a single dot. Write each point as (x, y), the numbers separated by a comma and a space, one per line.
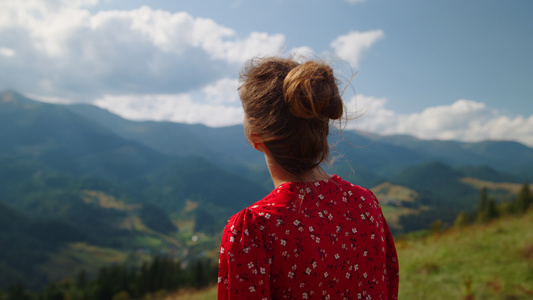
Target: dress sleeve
(391, 257)
(243, 268)
(392, 265)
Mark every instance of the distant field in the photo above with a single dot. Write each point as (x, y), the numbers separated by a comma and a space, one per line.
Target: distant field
(387, 192)
(512, 188)
(392, 199)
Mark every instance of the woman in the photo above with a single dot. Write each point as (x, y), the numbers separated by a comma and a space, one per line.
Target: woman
(315, 236)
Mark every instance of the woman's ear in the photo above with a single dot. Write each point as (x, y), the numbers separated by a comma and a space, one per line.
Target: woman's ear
(254, 139)
(259, 146)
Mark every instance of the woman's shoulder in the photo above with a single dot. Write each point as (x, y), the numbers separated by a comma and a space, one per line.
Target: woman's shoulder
(360, 194)
(348, 186)
(275, 203)
(282, 200)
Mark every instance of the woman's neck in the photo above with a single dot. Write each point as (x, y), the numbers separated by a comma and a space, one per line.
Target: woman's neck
(280, 176)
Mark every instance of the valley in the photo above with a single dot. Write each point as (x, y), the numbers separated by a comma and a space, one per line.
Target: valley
(81, 188)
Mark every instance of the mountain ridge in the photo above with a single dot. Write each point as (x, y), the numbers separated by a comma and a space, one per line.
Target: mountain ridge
(505, 156)
(59, 163)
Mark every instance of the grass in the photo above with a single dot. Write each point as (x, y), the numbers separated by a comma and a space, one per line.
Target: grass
(151, 242)
(209, 293)
(491, 261)
(106, 201)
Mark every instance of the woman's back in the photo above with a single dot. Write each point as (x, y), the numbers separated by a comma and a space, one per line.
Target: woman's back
(315, 236)
(316, 240)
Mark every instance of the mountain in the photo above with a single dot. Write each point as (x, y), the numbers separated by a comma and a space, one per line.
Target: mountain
(437, 181)
(505, 156)
(488, 173)
(441, 194)
(77, 179)
(59, 140)
(369, 154)
(151, 157)
(435, 169)
(53, 135)
(226, 145)
(70, 180)
(214, 192)
(27, 243)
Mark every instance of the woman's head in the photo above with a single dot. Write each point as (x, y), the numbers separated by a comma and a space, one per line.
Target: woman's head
(288, 106)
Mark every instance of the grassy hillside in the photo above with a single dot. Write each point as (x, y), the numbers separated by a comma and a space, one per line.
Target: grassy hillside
(491, 261)
(397, 202)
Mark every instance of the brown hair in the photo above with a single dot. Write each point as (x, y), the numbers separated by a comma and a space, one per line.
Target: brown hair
(288, 105)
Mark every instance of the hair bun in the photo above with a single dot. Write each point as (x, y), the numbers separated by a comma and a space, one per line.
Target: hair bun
(310, 91)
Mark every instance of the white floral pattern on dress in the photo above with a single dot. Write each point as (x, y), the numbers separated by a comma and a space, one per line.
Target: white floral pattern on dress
(332, 255)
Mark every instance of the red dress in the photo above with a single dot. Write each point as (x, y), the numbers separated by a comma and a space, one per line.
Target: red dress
(319, 240)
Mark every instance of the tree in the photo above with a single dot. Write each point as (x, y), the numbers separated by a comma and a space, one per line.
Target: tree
(483, 208)
(199, 274)
(492, 210)
(52, 292)
(123, 295)
(483, 200)
(525, 198)
(436, 227)
(463, 219)
(81, 279)
(17, 292)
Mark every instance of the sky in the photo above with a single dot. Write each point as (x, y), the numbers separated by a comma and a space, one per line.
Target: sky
(452, 69)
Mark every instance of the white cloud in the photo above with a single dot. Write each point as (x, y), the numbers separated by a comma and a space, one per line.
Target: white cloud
(214, 105)
(222, 91)
(176, 108)
(239, 51)
(464, 120)
(147, 64)
(66, 51)
(143, 64)
(351, 46)
(46, 23)
(355, 1)
(175, 32)
(302, 53)
(6, 52)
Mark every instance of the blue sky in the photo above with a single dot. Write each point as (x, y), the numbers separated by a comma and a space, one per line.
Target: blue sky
(435, 69)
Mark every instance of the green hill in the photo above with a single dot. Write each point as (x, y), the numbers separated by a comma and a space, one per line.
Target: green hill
(57, 137)
(226, 146)
(27, 243)
(507, 156)
(487, 173)
(491, 261)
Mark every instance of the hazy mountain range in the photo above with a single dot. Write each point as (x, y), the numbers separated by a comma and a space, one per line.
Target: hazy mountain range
(78, 173)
